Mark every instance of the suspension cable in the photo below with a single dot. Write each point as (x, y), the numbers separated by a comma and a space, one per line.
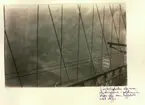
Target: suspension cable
(92, 35)
(58, 40)
(78, 52)
(79, 8)
(11, 49)
(123, 18)
(61, 41)
(114, 25)
(111, 39)
(119, 28)
(102, 30)
(37, 77)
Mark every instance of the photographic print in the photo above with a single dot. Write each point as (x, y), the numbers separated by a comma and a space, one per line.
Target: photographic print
(65, 45)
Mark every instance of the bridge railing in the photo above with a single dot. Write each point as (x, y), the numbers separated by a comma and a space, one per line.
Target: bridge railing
(113, 77)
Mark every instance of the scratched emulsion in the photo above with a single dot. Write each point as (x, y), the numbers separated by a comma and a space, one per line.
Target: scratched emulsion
(21, 28)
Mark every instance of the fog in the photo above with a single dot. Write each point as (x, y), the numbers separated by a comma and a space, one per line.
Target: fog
(21, 28)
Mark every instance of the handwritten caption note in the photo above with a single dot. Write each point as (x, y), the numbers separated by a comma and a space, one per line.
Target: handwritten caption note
(113, 93)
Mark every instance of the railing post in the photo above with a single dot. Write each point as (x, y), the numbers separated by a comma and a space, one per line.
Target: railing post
(96, 83)
(120, 73)
(113, 75)
(105, 79)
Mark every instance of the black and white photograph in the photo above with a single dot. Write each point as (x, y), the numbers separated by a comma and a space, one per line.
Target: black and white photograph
(65, 45)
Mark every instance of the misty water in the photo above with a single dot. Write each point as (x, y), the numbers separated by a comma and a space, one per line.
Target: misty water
(21, 28)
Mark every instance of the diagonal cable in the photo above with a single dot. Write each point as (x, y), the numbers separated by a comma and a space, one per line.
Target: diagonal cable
(11, 48)
(61, 41)
(58, 40)
(78, 52)
(102, 50)
(102, 38)
(114, 25)
(119, 24)
(123, 18)
(85, 33)
(102, 30)
(111, 40)
(92, 35)
(119, 27)
(37, 32)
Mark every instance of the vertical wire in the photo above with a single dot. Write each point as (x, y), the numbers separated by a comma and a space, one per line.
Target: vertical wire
(119, 28)
(58, 41)
(102, 49)
(111, 40)
(92, 36)
(115, 26)
(102, 30)
(18, 75)
(37, 45)
(114, 23)
(103, 36)
(119, 25)
(122, 16)
(104, 33)
(61, 42)
(78, 45)
(79, 8)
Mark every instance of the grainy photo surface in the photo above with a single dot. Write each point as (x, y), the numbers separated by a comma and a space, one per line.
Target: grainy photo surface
(65, 45)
